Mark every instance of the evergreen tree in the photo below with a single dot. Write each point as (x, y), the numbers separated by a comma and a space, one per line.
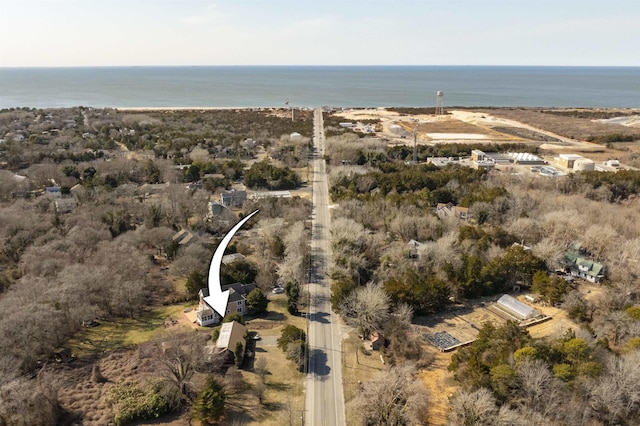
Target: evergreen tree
(209, 405)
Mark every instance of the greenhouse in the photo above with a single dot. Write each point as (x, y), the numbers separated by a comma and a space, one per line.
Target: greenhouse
(517, 308)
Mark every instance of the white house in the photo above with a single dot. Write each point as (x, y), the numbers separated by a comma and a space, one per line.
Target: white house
(238, 293)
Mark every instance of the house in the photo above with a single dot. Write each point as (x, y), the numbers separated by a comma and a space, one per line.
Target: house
(65, 205)
(238, 293)
(231, 333)
(582, 267)
(447, 210)
(233, 198)
(182, 237)
(53, 192)
(231, 258)
(377, 340)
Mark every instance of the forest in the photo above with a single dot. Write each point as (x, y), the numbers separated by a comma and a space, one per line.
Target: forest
(518, 231)
(130, 181)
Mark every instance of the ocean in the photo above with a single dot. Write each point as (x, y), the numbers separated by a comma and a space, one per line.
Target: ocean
(314, 86)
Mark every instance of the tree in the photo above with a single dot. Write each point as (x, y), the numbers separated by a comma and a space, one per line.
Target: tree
(195, 282)
(552, 290)
(257, 302)
(240, 271)
(260, 367)
(151, 172)
(366, 308)
(181, 356)
(210, 403)
(238, 354)
(394, 398)
(292, 290)
(233, 316)
(290, 333)
(473, 408)
(424, 292)
(192, 173)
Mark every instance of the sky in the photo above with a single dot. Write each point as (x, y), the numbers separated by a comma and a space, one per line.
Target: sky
(62, 33)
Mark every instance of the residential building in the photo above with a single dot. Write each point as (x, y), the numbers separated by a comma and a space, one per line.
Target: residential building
(65, 205)
(582, 267)
(182, 237)
(233, 198)
(447, 210)
(238, 293)
(231, 333)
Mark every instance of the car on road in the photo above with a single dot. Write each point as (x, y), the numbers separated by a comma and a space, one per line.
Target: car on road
(277, 290)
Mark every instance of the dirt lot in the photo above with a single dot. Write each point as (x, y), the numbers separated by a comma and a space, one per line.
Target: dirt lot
(574, 124)
(554, 130)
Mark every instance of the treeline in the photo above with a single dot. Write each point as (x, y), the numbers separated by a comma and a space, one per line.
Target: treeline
(59, 135)
(613, 138)
(507, 377)
(426, 180)
(516, 232)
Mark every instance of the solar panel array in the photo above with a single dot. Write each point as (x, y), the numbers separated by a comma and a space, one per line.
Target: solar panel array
(442, 340)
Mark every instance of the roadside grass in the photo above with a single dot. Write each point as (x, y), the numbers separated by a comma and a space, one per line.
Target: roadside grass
(118, 333)
(357, 367)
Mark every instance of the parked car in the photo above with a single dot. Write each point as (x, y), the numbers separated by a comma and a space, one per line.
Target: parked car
(277, 290)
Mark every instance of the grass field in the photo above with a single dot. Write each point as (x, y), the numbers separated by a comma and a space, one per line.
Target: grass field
(113, 334)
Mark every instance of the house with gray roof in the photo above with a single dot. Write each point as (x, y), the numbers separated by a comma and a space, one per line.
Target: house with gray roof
(238, 293)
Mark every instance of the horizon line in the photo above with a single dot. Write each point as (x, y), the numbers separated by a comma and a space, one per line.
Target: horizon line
(317, 66)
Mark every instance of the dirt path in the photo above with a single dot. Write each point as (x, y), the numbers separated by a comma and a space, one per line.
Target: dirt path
(440, 384)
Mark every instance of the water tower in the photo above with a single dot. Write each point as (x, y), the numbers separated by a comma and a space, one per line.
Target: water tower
(439, 102)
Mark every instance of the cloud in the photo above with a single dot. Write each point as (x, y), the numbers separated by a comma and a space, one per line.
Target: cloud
(208, 16)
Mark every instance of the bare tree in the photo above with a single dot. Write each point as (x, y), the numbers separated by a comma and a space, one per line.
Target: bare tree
(397, 397)
(180, 357)
(366, 308)
(476, 407)
(615, 394)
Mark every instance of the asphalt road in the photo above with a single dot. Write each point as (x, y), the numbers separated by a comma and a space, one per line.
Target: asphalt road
(323, 386)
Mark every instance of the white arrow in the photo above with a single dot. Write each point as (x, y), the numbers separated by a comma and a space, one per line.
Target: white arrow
(217, 298)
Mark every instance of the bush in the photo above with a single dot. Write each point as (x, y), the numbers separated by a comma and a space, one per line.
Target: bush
(133, 401)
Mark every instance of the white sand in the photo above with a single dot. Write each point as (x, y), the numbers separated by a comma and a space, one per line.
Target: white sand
(466, 136)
